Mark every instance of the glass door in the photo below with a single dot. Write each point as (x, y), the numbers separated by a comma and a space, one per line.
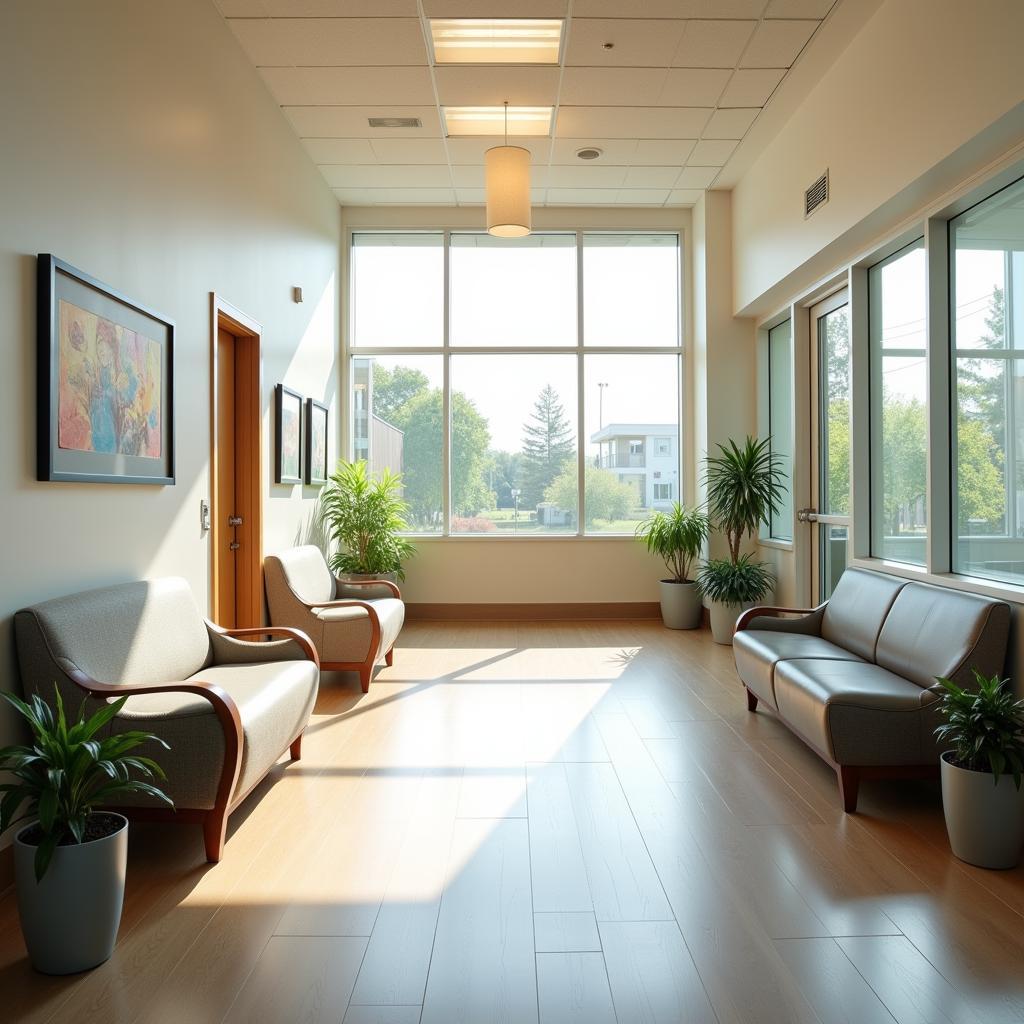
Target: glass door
(830, 443)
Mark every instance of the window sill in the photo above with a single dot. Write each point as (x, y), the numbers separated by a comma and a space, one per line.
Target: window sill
(778, 545)
(497, 538)
(1008, 592)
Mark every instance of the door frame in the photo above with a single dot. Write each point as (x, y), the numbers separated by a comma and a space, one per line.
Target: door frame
(248, 334)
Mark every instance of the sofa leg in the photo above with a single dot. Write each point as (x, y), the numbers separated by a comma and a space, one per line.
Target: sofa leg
(364, 677)
(389, 658)
(751, 701)
(215, 829)
(296, 748)
(849, 785)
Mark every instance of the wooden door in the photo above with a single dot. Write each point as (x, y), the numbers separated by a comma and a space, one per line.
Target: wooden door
(224, 496)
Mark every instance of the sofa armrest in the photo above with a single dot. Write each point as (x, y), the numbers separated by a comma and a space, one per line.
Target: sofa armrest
(285, 651)
(387, 584)
(808, 620)
(224, 707)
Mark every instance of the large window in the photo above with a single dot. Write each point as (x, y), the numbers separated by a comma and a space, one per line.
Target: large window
(987, 333)
(780, 422)
(485, 370)
(897, 303)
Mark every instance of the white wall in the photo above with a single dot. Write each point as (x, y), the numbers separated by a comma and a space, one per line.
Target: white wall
(141, 146)
(927, 93)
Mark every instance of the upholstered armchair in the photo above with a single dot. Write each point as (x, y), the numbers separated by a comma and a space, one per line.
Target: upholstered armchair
(227, 704)
(352, 624)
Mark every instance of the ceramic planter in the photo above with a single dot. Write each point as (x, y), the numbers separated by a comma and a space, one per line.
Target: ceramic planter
(723, 620)
(362, 577)
(985, 820)
(70, 918)
(681, 604)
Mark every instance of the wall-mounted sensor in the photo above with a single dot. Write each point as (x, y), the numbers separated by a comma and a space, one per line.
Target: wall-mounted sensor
(204, 516)
(296, 294)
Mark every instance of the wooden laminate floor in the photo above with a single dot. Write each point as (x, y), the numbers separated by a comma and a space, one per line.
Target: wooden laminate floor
(556, 822)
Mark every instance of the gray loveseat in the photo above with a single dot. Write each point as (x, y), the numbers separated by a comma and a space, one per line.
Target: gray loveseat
(228, 707)
(855, 677)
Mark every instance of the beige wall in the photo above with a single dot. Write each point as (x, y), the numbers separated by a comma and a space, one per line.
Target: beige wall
(139, 145)
(927, 93)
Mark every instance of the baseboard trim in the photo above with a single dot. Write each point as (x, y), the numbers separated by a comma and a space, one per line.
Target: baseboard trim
(525, 612)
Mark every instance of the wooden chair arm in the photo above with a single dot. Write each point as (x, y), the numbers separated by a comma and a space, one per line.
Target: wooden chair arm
(754, 613)
(223, 703)
(288, 632)
(393, 587)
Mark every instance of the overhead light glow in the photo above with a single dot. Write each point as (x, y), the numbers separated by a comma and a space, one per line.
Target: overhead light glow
(496, 40)
(491, 120)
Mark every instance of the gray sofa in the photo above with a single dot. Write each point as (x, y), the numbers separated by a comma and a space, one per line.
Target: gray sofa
(856, 677)
(228, 707)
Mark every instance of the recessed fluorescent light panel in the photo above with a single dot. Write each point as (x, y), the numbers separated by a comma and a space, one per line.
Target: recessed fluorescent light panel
(496, 40)
(491, 120)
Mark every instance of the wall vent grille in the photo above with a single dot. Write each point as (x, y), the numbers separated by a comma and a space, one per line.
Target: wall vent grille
(395, 122)
(816, 195)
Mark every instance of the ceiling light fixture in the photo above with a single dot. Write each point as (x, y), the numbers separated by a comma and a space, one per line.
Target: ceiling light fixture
(495, 120)
(496, 40)
(507, 179)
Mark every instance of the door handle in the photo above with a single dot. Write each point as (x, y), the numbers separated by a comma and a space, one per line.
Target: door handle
(807, 515)
(234, 546)
(234, 520)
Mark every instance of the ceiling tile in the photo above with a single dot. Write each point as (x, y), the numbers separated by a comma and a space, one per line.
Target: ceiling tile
(586, 176)
(712, 152)
(582, 196)
(669, 8)
(635, 43)
(712, 44)
(693, 87)
(485, 87)
(493, 9)
(651, 177)
(341, 8)
(631, 122)
(387, 176)
(396, 196)
(697, 177)
(472, 176)
(798, 8)
(242, 8)
(777, 43)
(613, 151)
(340, 151)
(685, 196)
(642, 196)
(613, 87)
(751, 87)
(471, 149)
(349, 86)
(478, 196)
(351, 122)
(331, 42)
(657, 151)
(405, 151)
(731, 124)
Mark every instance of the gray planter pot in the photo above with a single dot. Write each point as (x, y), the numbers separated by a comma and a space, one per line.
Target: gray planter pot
(723, 620)
(985, 820)
(681, 604)
(70, 918)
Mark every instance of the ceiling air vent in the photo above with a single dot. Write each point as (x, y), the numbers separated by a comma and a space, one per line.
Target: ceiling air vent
(816, 195)
(395, 122)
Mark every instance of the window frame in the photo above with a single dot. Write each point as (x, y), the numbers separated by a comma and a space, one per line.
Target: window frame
(446, 351)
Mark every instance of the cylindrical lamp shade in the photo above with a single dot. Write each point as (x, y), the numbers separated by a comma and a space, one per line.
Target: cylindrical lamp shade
(507, 176)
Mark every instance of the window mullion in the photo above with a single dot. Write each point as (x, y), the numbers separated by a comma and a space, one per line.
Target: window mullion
(446, 404)
(581, 458)
(941, 408)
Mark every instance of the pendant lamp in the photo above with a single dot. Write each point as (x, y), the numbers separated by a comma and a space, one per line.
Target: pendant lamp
(507, 177)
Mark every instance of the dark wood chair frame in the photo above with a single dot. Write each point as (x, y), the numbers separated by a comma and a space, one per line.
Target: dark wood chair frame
(215, 819)
(848, 776)
(366, 666)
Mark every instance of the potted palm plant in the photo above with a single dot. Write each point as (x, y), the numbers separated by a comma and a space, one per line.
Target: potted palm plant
(744, 488)
(677, 537)
(982, 795)
(364, 515)
(69, 863)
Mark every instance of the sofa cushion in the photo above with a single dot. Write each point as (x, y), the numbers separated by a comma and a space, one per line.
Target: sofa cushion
(934, 631)
(274, 703)
(859, 604)
(757, 651)
(347, 630)
(857, 713)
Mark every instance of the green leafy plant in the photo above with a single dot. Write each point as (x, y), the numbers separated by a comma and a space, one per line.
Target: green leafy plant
(68, 771)
(985, 726)
(365, 515)
(676, 537)
(744, 487)
(741, 582)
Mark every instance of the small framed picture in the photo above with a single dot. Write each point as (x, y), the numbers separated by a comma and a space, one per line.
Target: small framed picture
(288, 435)
(316, 443)
(105, 411)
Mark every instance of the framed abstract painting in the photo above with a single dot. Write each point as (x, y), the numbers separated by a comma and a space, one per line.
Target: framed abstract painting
(317, 416)
(105, 382)
(288, 435)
